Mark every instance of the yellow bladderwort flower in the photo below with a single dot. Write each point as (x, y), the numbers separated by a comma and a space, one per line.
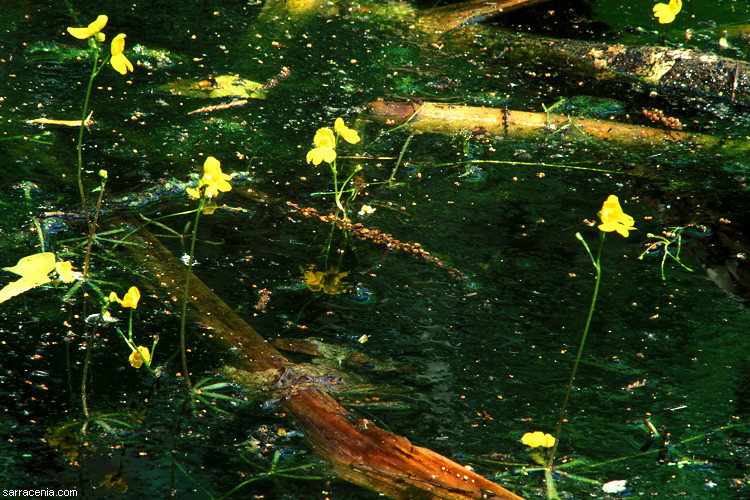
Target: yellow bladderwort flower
(118, 60)
(349, 135)
(538, 439)
(91, 30)
(329, 282)
(136, 357)
(213, 180)
(614, 219)
(129, 300)
(325, 147)
(666, 13)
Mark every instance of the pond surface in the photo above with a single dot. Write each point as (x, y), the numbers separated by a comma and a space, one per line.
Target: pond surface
(481, 345)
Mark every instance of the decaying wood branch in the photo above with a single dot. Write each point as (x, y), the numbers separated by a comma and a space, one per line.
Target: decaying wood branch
(453, 16)
(664, 66)
(433, 117)
(358, 450)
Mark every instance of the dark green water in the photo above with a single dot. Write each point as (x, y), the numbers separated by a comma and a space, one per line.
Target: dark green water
(487, 353)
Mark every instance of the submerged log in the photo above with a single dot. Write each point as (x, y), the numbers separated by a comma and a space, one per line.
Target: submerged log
(664, 66)
(448, 118)
(357, 450)
(454, 16)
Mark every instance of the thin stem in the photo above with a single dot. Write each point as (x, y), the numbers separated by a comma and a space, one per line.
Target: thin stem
(183, 315)
(598, 267)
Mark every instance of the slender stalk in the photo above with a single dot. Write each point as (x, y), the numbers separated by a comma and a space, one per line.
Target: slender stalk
(183, 314)
(597, 266)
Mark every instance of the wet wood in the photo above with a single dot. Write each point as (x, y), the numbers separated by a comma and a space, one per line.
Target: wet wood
(675, 67)
(447, 118)
(357, 450)
(454, 16)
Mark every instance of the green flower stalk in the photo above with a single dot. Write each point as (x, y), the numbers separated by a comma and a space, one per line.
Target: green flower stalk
(613, 220)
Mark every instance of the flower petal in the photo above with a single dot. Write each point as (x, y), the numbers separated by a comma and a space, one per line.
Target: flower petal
(91, 29)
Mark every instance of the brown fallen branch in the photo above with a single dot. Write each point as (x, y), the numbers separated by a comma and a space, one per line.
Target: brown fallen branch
(358, 450)
(216, 107)
(374, 235)
(453, 16)
(447, 118)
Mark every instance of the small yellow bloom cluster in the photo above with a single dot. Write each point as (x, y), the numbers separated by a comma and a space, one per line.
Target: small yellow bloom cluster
(213, 180)
(129, 300)
(325, 142)
(119, 62)
(614, 219)
(666, 13)
(538, 439)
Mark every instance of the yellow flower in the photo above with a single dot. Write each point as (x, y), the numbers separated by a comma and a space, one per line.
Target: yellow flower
(614, 219)
(65, 271)
(538, 439)
(666, 13)
(119, 61)
(136, 357)
(214, 179)
(90, 30)
(129, 300)
(349, 135)
(329, 282)
(325, 145)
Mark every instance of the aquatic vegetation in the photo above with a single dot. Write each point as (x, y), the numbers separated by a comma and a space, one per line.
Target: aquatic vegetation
(666, 13)
(662, 245)
(325, 142)
(213, 182)
(122, 65)
(613, 219)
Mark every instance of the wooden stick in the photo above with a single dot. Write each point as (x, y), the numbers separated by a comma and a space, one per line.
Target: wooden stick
(449, 118)
(358, 450)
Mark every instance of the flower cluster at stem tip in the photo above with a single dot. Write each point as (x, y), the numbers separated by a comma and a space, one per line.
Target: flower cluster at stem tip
(665, 13)
(614, 219)
(325, 142)
(119, 62)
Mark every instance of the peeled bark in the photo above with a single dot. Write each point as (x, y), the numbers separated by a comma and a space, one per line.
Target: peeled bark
(357, 450)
